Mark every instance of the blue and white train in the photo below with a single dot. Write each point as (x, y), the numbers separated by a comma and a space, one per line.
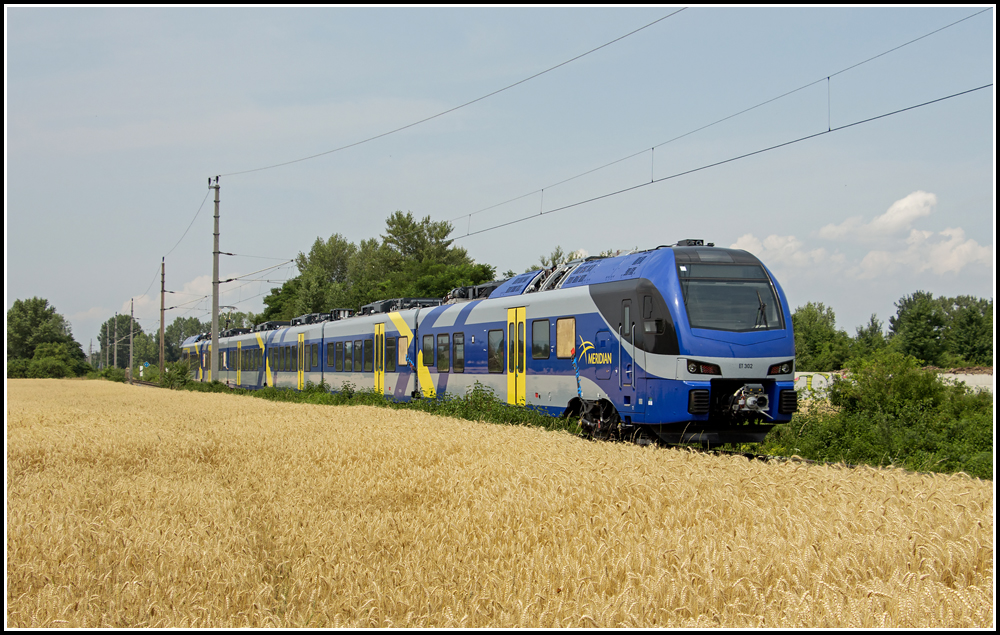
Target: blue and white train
(688, 343)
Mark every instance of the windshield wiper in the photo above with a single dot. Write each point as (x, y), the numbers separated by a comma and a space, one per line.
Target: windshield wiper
(761, 313)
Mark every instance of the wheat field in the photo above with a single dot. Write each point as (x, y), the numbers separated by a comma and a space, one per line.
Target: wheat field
(131, 506)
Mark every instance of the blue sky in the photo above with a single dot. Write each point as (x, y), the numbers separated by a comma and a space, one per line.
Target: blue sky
(116, 117)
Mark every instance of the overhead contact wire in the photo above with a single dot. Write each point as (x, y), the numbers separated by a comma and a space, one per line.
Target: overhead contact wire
(729, 160)
(825, 78)
(450, 110)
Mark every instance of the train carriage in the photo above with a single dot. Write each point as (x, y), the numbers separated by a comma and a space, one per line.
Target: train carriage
(689, 343)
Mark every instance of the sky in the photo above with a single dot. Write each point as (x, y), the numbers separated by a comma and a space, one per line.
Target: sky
(116, 118)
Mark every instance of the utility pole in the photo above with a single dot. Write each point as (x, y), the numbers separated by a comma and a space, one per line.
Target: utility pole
(214, 355)
(107, 343)
(116, 340)
(131, 329)
(163, 273)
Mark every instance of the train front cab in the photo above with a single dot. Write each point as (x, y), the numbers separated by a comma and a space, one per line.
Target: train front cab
(732, 376)
(700, 347)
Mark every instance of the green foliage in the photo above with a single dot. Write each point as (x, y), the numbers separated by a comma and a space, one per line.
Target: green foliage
(176, 375)
(57, 359)
(889, 411)
(435, 280)
(968, 331)
(279, 304)
(868, 339)
(109, 373)
(819, 346)
(174, 335)
(944, 331)
(33, 324)
(918, 326)
(413, 259)
(17, 368)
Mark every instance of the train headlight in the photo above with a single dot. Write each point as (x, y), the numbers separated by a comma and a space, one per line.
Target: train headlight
(702, 368)
(781, 368)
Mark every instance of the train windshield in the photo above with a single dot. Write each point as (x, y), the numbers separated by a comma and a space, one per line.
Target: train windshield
(729, 297)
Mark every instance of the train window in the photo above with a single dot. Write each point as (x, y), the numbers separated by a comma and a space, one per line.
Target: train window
(315, 355)
(510, 347)
(626, 325)
(444, 351)
(495, 360)
(565, 337)
(520, 347)
(428, 351)
(357, 355)
(369, 356)
(348, 356)
(540, 339)
(727, 297)
(647, 307)
(458, 361)
(390, 354)
(330, 356)
(404, 343)
(293, 354)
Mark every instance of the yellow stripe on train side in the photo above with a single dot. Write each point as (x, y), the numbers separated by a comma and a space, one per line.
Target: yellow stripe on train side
(268, 380)
(423, 373)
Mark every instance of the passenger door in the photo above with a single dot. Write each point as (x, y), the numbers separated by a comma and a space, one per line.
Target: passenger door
(515, 356)
(302, 361)
(380, 358)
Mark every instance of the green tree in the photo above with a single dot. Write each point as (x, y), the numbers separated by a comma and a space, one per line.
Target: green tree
(421, 241)
(414, 258)
(968, 332)
(106, 340)
(918, 327)
(435, 280)
(178, 331)
(819, 345)
(868, 338)
(279, 304)
(31, 323)
(55, 360)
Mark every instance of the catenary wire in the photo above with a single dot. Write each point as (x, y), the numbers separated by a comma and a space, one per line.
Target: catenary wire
(718, 163)
(718, 121)
(450, 110)
(190, 224)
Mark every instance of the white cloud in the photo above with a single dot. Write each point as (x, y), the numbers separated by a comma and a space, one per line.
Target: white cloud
(897, 219)
(781, 250)
(950, 253)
